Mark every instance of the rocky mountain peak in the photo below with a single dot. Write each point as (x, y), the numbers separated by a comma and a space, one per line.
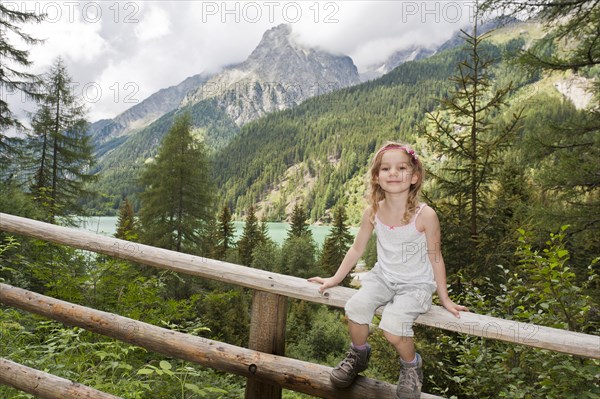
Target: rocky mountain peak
(278, 74)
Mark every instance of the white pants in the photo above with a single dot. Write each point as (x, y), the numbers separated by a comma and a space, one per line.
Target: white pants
(403, 303)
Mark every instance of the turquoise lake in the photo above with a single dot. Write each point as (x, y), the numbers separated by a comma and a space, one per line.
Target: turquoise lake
(106, 225)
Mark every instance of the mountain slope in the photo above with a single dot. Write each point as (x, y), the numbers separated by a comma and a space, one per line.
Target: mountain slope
(318, 152)
(146, 112)
(326, 140)
(279, 74)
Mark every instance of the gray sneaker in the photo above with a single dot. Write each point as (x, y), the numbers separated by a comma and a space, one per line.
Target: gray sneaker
(356, 361)
(411, 380)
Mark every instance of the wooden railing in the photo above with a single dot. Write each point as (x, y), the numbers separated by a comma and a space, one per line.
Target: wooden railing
(262, 366)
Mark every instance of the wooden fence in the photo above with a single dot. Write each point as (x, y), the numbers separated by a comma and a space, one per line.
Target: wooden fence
(268, 318)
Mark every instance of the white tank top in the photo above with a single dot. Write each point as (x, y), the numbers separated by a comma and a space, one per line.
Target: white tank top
(402, 253)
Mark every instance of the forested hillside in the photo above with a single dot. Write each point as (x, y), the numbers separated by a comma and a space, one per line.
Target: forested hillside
(328, 140)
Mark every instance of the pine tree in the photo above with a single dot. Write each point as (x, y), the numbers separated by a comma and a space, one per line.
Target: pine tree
(298, 257)
(336, 244)
(13, 80)
(298, 226)
(177, 200)
(570, 147)
(126, 226)
(573, 21)
(60, 147)
(225, 233)
(263, 231)
(470, 146)
(299, 250)
(250, 237)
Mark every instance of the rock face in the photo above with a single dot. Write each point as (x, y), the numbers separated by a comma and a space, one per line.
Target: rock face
(146, 112)
(578, 89)
(412, 53)
(278, 74)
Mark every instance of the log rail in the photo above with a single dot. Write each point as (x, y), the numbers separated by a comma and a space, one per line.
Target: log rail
(280, 286)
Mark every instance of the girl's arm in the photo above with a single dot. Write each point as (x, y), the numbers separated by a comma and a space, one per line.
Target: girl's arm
(352, 256)
(431, 224)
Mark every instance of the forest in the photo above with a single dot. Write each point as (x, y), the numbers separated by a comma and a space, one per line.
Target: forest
(515, 182)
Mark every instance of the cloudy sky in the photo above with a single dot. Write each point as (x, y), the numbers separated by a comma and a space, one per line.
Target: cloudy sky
(120, 52)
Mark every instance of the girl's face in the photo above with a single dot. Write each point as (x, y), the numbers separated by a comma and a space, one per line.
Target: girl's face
(396, 171)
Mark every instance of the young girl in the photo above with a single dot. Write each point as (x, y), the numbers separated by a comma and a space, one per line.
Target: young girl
(409, 268)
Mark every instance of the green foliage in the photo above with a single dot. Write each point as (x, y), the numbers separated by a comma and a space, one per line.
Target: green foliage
(126, 225)
(552, 291)
(107, 365)
(13, 78)
(226, 314)
(298, 224)
(568, 141)
(468, 144)
(177, 197)
(225, 233)
(542, 291)
(181, 374)
(336, 245)
(60, 148)
(575, 22)
(251, 237)
(299, 257)
(314, 333)
(123, 158)
(266, 256)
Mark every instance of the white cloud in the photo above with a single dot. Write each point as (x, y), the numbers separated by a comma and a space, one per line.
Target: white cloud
(77, 41)
(135, 48)
(153, 24)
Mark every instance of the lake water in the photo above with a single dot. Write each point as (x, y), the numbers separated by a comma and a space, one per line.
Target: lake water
(107, 225)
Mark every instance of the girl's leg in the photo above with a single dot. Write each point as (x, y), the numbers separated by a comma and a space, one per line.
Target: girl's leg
(358, 333)
(405, 346)
(411, 369)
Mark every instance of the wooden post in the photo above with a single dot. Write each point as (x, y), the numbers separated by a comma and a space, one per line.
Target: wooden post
(267, 334)
(44, 385)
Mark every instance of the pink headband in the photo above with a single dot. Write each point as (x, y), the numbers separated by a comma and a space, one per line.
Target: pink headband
(409, 151)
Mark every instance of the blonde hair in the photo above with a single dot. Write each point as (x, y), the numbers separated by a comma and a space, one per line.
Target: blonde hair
(376, 194)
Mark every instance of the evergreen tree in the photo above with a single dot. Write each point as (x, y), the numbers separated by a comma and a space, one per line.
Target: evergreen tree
(177, 199)
(299, 251)
(225, 233)
(298, 257)
(60, 147)
(251, 237)
(298, 225)
(570, 147)
(470, 147)
(573, 21)
(126, 226)
(210, 240)
(13, 80)
(263, 232)
(336, 244)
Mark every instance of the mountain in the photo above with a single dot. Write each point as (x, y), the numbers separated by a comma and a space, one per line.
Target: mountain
(318, 152)
(146, 112)
(412, 53)
(278, 74)
(417, 52)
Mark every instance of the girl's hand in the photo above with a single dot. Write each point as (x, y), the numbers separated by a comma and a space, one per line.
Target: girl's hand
(325, 282)
(454, 308)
